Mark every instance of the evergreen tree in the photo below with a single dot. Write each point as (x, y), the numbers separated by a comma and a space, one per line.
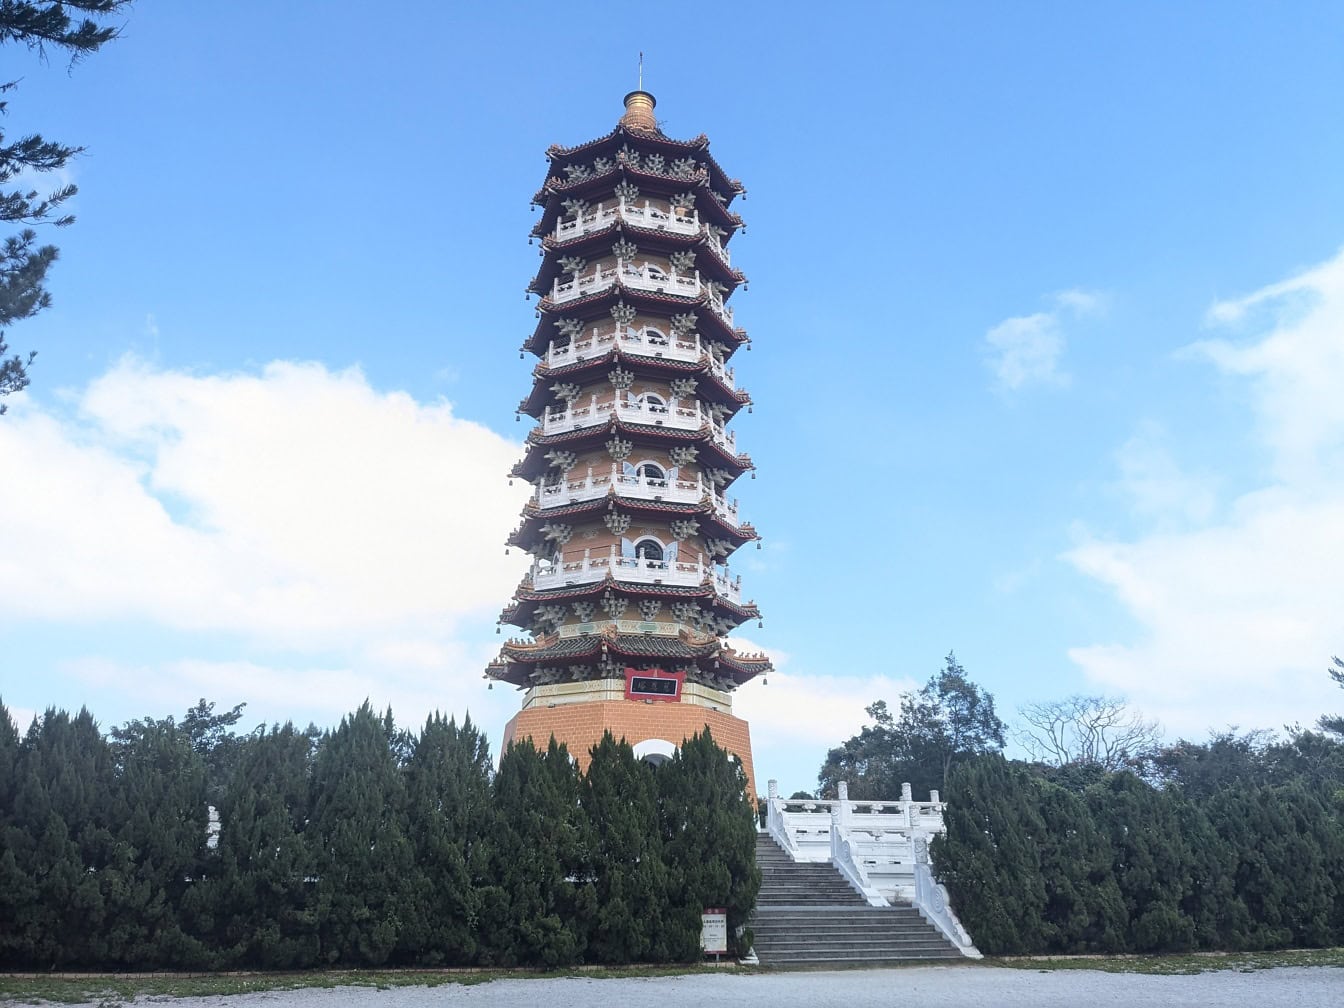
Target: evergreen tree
(542, 908)
(23, 262)
(989, 858)
(17, 887)
(620, 800)
(709, 841)
(1083, 910)
(1151, 862)
(1288, 859)
(62, 843)
(357, 840)
(1220, 918)
(260, 895)
(160, 816)
(450, 818)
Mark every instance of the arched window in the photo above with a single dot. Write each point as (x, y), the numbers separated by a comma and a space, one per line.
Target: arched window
(652, 402)
(651, 472)
(654, 337)
(649, 549)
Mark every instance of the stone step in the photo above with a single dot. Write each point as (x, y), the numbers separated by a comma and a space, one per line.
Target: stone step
(808, 915)
(859, 962)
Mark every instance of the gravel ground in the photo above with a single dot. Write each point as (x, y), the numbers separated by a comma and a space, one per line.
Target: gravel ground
(926, 987)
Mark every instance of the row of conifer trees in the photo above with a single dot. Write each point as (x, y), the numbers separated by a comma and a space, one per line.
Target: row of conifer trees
(362, 846)
(1095, 862)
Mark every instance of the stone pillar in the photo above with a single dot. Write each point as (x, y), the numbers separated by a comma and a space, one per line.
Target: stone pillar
(843, 804)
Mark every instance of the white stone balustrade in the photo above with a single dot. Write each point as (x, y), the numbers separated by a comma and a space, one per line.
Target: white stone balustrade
(572, 491)
(646, 216)
(638, 570)
(645, 342)
(593, 485)
(676, 414)
(645, 276)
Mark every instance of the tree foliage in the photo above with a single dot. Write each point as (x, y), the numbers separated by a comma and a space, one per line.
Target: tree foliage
(76, 28)
(947, 720)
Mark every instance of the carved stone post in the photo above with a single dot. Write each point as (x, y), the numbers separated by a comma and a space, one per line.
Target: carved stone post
(843, 803)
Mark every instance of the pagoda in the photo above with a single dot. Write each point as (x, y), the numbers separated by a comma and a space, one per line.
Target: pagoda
(630, 526)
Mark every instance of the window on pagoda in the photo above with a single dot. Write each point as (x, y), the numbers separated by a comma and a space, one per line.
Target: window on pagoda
(654, 337)
(649, 549)
(653, 402)
(652, 473)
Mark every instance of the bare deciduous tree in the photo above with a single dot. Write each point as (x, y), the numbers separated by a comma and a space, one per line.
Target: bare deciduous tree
(1087, 729)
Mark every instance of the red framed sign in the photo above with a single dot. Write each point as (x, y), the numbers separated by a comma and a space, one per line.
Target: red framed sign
(653, 684)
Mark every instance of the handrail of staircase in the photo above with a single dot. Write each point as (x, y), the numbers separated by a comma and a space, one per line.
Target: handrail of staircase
(842, 856)
(934, 904)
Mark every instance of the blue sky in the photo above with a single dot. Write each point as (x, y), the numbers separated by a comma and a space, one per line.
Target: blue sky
(1047, 306)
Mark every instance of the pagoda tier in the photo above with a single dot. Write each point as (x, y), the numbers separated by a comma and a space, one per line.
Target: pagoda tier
(566, 656)
(628, 302)
(630, 526)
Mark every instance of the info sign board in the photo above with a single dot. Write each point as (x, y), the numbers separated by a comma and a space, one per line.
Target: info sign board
(653, 684)
(714, 931)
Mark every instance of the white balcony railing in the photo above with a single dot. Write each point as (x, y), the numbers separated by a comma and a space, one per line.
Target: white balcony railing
(647, 342)
(720, 309)
(676, 414)
(572, 491)
(647, 276)
(639, 570)
(646, 216)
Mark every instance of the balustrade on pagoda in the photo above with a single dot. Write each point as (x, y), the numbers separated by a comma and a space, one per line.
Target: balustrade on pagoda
(634, 569)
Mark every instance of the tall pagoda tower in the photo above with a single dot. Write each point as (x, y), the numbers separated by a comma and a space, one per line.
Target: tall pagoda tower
(630, 525)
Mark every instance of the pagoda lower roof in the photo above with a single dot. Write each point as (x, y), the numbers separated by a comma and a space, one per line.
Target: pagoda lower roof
(534, 463)
(598, 304)
(518, 659)
(713, 526)
(526, 598)
(594, 368)
(630, 645)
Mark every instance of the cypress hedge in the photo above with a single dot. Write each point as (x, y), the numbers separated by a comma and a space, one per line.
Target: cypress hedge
(361, 846)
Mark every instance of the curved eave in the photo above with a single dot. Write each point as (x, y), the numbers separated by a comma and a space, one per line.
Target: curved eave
(589, 438)
(655, 143)
(597, 307)
(528, 531)
(597, 244)
(526, 598)
(714, 389)
(518, 658)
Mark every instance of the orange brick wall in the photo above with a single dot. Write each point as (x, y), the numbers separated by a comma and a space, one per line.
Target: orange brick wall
(580, 726)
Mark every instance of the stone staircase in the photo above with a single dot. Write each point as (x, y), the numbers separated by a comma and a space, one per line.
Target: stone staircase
(808, 915)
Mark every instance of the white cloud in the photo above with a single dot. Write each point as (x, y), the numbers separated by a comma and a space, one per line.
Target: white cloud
(295, 512)
(1238, 615)
(1157, 486)
(297, 506)
(1026, 349)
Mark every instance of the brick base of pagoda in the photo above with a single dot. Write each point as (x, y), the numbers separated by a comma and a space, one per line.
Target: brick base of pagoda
(580, 726)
